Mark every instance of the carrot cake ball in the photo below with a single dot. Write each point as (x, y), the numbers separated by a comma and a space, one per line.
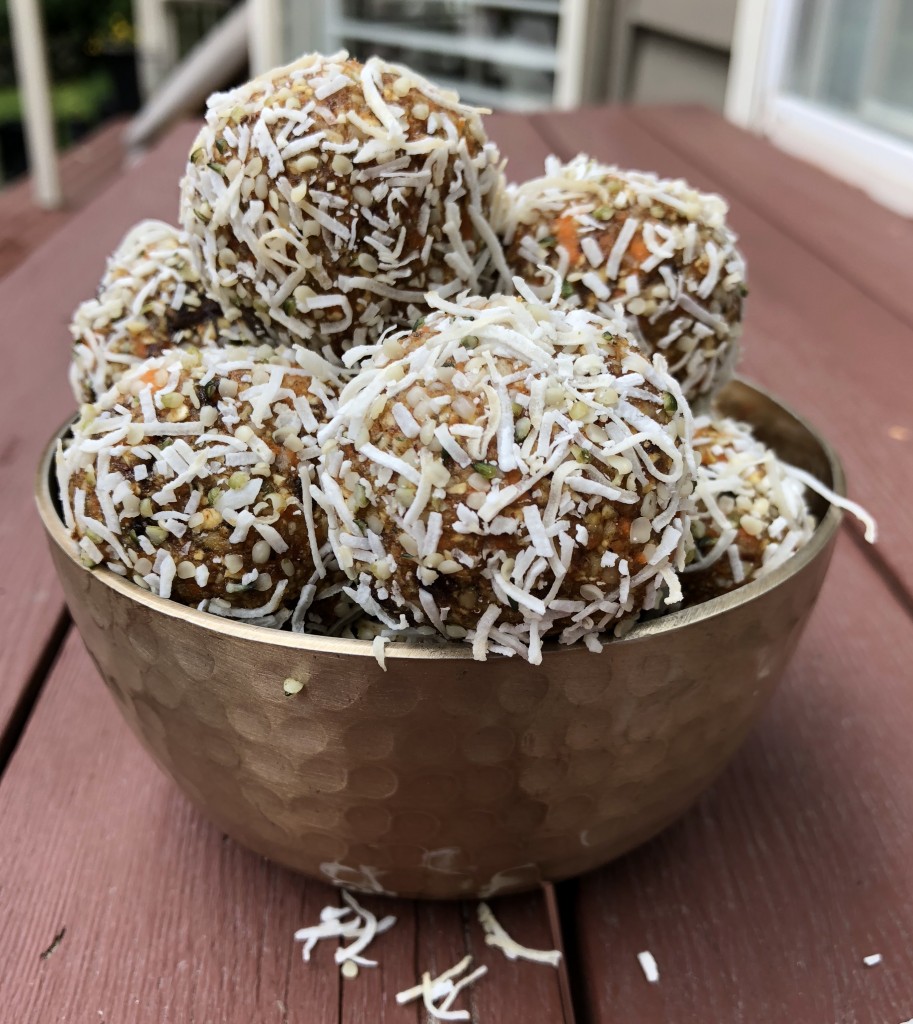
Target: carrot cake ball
(658, 247)
(508, 471)
(324, 198)
(192, 477)
(149, 300)
(751, 514)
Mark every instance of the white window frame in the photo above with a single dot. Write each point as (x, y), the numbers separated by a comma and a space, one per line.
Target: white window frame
(877, 162)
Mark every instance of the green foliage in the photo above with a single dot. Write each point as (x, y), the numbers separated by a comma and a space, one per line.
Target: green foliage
(81, 16)
(78, 99)
(70, 28)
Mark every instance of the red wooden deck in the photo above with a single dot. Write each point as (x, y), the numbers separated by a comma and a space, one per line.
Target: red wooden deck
(759, 906)
(85, 170)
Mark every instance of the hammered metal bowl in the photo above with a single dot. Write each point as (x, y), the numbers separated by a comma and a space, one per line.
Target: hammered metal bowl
(445, 777)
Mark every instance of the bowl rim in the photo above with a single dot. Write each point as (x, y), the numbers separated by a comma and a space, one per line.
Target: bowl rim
(455, 650)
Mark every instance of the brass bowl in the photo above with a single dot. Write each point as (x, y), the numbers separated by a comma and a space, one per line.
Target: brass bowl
(447, 777)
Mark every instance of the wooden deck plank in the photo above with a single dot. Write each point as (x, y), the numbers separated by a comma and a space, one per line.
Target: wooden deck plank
(798, 852)
(860, 239)
(372, 995)
(520, 143)
(516, 992)
(85, 170)
(811, 336)
(761, 904)
(434, 937)
(37, 299)
(166, 920)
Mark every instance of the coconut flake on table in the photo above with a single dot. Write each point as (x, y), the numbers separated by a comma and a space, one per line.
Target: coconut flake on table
(496, 936)
(648, 965)
(352, 921)
(439, 994)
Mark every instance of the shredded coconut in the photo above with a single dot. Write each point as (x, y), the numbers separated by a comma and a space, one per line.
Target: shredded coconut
(377, 646)
(655, 249)
(648, 966)
(267, 175)
(556, 415)
(496, 936)
(350, 922)
(438, 994)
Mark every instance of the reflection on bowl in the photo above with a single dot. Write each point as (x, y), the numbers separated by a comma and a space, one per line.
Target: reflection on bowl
(446, 777)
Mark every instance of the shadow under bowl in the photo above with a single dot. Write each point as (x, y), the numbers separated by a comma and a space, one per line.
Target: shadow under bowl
(446, 777)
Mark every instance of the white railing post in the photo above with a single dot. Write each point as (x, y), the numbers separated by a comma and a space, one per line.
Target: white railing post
(760, 41)
(266, 32)
(155, 44)
(35, 91)
(572, 47)
(217, 57)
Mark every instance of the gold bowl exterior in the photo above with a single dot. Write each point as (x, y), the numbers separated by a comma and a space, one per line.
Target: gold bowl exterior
(446, 777)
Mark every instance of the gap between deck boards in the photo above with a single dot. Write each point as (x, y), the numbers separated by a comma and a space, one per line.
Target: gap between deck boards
(17, 721)
(560, 902)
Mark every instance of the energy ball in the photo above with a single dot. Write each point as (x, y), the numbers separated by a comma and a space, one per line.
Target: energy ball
(658, 247)
(150, 299)
(324, 198)
(508, 471)
(192, 478)
(751, 514)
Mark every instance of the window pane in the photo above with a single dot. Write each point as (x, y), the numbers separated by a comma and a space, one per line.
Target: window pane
(856, 57)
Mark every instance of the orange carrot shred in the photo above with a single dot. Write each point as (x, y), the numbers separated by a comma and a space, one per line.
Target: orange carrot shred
(566, 233)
